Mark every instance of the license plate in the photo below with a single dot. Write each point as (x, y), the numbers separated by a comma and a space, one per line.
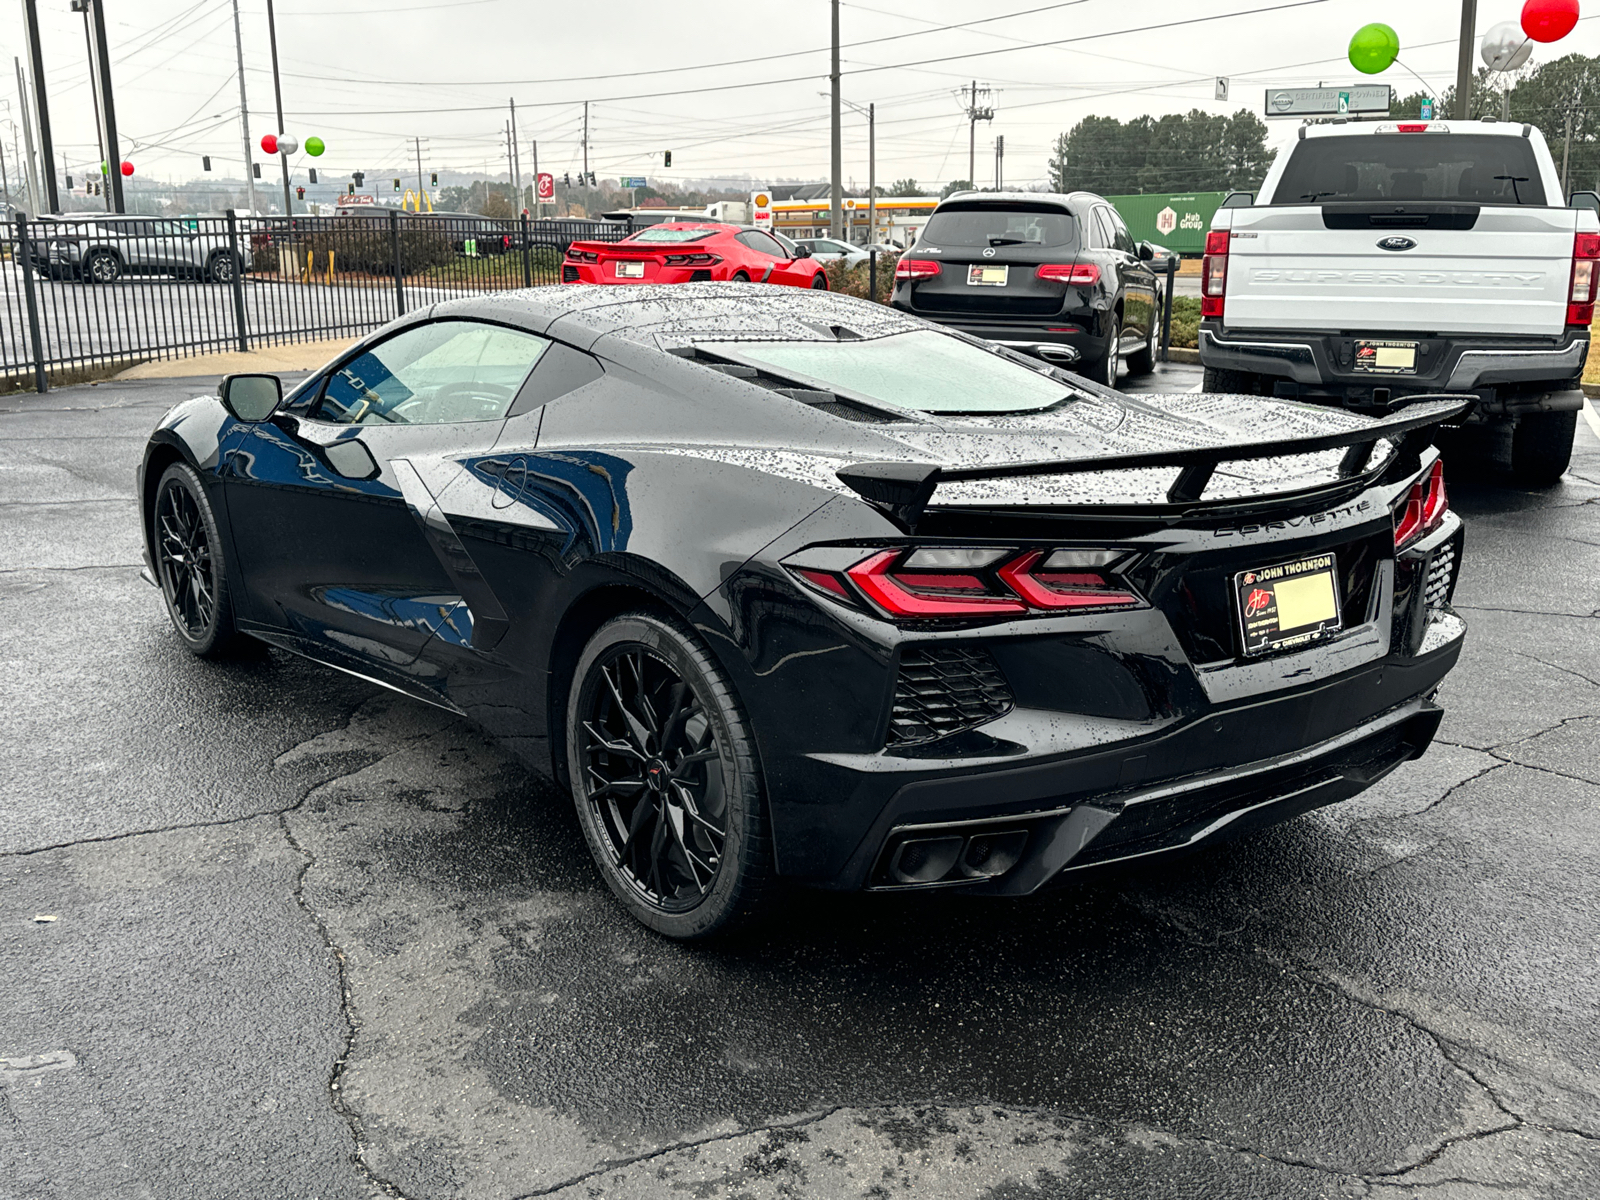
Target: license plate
(1387, 358)
(1292, 604)
(630, 270)
(980, 276)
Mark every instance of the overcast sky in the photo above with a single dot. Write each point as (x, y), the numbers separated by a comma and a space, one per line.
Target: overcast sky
(368, 76)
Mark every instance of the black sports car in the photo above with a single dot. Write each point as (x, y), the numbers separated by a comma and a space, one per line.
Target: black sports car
(782, 584)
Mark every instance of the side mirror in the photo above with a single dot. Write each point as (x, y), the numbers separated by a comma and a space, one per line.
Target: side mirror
(1238, 200)
(802, 252)
(251, 398)
(1588, 200)
(1147, 252)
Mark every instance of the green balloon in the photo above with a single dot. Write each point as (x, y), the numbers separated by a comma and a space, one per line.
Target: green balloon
(314, 146)
(1374, 48)
(105, 169)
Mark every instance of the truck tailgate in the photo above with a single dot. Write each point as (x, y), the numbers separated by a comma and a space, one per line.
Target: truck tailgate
(1508, 274)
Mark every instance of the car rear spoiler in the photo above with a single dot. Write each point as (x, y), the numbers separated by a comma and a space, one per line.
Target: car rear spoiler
(903, 489)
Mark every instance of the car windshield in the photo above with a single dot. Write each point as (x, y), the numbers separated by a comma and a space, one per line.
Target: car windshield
(994, 225)
(660, 233)
(1463, 167)
(925, 371)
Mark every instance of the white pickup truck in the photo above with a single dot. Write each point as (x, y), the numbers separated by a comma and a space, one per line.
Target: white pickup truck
(1382, 260)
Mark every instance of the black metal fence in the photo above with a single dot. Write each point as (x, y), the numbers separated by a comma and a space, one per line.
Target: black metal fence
(87, 291)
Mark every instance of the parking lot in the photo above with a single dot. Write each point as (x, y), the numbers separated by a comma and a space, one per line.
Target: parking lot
(268, 931)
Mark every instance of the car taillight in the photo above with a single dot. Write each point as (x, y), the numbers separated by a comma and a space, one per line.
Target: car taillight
(582, 255)
(932, 583)
(1423, 509)
(1580, 300)
(915, 268)
(1214, 273)
(692, 260)
(1081, 273)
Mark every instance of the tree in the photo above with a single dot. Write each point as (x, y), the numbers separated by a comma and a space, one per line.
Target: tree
(1057, 170)
(1179, 152)
(954, 186)
(496, 204)
(905, 187)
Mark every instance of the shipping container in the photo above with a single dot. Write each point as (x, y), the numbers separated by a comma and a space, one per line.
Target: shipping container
(1179, 222)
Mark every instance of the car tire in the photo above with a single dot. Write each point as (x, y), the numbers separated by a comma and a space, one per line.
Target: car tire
(819, 281)
(652, 780)
(1105, 369)
(219, 268)
(102, 266)
(739, 277)
(192, 567)
(1231, 383)
(1541, 447)
(1143, 360)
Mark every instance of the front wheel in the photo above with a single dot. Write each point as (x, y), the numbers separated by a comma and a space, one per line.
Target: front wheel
(220, 268)
(103, 267)
(1541, 447)
(664, 774)
(193, 570)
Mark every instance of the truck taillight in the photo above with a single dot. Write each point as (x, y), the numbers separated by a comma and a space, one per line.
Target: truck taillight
(915, 268)
(1214, 273)
(1580, 300)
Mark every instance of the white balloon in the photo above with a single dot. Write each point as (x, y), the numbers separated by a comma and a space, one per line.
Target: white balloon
(288, 145)
(1505, 47)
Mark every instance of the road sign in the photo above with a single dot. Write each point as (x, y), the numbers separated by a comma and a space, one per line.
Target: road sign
(1370, 99)
(1222, 88)
(545, 188)
(633, 181)
(1427, 110)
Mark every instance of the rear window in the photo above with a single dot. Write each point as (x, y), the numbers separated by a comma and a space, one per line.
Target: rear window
(924, 371)
(981, 225)
(658, 233)
(1462, 167)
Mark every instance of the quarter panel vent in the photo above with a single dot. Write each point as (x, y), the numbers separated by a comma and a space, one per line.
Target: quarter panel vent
(943, 690)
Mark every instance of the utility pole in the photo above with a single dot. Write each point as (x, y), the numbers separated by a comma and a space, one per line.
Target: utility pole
(277, 95)
(537, 203)
(31, 173)
(872, 174)
(1469, 20)
(516, 158)
(47, 150)
(836, 191)
(82, 6)
(1000, 163)
(586, 158)
(244, 112)
(974, 115)
(1566, 151)
(417, 142)
(108, 109)
(5, 180)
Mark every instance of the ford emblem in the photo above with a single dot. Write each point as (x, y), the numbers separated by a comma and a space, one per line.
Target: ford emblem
(1396, 243)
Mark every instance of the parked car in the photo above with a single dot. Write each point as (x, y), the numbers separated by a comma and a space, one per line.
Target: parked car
(1058, 276)
(103, 249)
(693, 252)
(1396, 258)
(832, 250)
(801, 587)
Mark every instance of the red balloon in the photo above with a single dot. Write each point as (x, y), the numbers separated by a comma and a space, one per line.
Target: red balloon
(127, 168)
(1549, 20)
(269, 142)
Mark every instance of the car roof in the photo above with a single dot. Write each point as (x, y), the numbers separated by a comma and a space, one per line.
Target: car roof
(1062, 199)
(1388, 125)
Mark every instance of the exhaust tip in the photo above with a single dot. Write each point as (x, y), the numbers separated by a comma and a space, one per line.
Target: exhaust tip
(992, 854)
(933, 857)
(924, 860)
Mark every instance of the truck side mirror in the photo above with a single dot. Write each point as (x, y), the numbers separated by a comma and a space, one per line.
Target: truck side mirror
(1238, 200)
(1588, 200)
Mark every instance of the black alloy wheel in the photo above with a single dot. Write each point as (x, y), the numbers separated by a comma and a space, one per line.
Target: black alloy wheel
(190, 565)
(819, 281)
(1107, 369)
(103, 267)
(665, 781)
(740, 277)
(220, 268)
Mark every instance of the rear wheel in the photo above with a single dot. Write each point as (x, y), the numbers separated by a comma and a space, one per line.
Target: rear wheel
(1541, 447)
(192, 568)
(1106, 369)
(103, 266)
(1143, 360)
(740, 277)
(1236, 383)
(220, 268)
(819, 281)
(664, 775)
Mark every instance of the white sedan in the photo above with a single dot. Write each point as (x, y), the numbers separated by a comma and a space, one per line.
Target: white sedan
(831, 250)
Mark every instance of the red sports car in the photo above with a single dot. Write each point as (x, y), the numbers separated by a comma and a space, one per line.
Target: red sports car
(689, 252)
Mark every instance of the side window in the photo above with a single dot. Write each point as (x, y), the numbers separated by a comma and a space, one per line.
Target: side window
(432, 374)
(1121, 238)
(1093, 235)
(762, 244)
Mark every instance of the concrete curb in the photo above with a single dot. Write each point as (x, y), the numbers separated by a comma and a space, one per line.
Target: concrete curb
(300, 356)
(1182, 354)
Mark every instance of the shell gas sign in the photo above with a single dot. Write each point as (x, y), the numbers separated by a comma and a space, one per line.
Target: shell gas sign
(761, 208)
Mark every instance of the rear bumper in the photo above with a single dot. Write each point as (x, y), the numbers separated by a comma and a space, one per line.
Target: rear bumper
(1447, 363)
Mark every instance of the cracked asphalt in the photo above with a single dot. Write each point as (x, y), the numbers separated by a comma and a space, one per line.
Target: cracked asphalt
(266, 931)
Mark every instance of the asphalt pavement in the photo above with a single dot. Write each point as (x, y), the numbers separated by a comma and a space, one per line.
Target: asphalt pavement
(266, 931)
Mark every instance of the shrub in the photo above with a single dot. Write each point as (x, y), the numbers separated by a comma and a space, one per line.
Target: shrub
(854, 281)
(358, 246)
(1186, 321)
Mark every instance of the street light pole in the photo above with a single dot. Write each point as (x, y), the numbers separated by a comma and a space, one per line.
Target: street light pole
(872, 169)
(277, 95)
(244, 114)
(1469, 20)
(82, 6)
(47, 152)
(836, 190)
(31, 174)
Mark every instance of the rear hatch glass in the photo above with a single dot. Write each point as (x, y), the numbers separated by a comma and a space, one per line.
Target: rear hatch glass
(1461, 167)
(977, 226)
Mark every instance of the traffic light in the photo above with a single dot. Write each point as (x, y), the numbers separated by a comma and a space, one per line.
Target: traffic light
(566, 179)
(205, 161)
(255, 169)
(435, 179)
(359, 177)
(668, 159)
(352, 189)
(69, 183)
(313, 174)
(592, 183)
(300, 193)
(397, 183)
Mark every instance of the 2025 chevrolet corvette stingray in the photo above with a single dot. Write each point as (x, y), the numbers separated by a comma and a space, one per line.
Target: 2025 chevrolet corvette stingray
(789, 586)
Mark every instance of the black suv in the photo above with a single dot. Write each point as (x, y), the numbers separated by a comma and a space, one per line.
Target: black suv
(1055, 276)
